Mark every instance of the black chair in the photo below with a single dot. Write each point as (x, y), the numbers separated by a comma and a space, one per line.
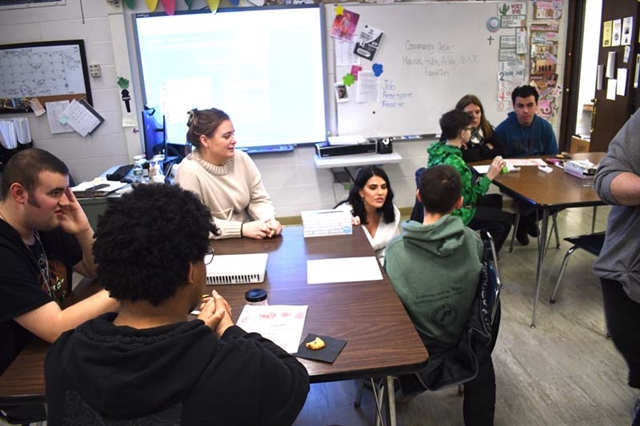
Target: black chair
(22, 410)
(460, 364)
(591, 243)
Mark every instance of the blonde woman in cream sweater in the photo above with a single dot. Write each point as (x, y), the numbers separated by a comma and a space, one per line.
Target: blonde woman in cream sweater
(226, 179)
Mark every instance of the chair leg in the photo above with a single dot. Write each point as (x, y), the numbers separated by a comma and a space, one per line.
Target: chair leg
(513, 233)
(562, 268)
(555, 229)
(358, 400)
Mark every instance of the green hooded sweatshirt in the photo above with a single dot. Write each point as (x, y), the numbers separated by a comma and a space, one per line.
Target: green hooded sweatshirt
(442, 154)
(434, 269)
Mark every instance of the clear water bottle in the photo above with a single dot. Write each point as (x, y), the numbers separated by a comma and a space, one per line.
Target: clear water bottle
(155, 169)
(138, 170)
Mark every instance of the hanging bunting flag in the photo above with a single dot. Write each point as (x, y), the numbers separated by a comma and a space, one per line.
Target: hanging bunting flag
(169, 6)
(188, 3)
(213, 5)
(131, 4)
(234, 2)
(151, 5)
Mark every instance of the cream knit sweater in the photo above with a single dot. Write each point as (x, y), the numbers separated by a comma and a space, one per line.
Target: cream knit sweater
(234, 192)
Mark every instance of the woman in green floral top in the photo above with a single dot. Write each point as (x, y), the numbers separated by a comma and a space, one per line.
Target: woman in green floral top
(456, 130)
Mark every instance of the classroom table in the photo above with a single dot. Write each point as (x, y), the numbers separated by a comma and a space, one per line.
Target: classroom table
(546, 192)
(381, 340)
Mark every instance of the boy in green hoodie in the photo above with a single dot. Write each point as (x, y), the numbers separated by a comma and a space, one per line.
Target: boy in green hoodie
(434, 268)
(477, 211)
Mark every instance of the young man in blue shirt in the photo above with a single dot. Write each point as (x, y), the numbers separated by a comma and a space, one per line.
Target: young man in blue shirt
(525, 135)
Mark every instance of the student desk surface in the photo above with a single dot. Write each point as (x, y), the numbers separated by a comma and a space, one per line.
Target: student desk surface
(381, 340)
(546, 192)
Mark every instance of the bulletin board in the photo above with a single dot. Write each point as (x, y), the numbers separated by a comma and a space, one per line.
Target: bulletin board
(49, 71)
(429, 56)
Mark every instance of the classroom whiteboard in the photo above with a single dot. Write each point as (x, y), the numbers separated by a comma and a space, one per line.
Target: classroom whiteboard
(432, 54)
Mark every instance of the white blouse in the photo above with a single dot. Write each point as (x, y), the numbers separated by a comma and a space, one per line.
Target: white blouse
(384, 233)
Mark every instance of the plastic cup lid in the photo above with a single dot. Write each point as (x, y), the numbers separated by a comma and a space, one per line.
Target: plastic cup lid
(255, 295)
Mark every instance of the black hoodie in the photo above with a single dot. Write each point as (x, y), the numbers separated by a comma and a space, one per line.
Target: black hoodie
(175, 374)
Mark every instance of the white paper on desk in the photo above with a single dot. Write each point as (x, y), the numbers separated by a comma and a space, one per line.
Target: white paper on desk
(54, 111)
(519, 162)
(611, 89)
(111, 185)
(483, 170)
(282, 324)
(346, 140)
(343, 270)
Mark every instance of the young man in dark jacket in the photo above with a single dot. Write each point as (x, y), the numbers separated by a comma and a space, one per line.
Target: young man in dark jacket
(148, 364)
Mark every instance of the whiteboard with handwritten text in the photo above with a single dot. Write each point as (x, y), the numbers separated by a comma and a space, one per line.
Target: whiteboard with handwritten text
(49, 71)
(430, 55)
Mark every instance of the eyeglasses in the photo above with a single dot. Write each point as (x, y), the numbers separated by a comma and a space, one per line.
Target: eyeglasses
(208, 257)
(468, 128)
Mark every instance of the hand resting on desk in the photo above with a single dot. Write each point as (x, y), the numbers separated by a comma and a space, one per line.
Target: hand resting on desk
(260, 229)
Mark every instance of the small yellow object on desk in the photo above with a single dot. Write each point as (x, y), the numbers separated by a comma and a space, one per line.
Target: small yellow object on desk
(316, 344)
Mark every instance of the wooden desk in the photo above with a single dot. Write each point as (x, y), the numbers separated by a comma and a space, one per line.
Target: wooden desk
(546, 192)
(381, 338)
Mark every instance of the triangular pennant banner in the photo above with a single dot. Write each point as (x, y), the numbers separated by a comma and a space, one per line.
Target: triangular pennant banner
(213, 5)
(151, 5)
(189, 3)
(131, 4)
(169, 6)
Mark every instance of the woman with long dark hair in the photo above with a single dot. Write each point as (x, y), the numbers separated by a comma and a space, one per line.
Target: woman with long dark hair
(370, 202)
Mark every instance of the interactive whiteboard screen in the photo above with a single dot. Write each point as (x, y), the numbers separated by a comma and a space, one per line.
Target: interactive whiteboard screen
(262, 66)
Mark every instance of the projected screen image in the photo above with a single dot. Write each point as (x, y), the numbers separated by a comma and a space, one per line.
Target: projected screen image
(262, 66)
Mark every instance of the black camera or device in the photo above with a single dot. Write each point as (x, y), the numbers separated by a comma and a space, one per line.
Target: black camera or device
(385, 145)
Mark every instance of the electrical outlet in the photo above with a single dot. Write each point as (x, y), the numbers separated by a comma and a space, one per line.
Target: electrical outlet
(94, 70)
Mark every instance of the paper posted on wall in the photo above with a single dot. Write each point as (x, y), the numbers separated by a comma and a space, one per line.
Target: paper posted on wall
(368, 42)
(81, 117)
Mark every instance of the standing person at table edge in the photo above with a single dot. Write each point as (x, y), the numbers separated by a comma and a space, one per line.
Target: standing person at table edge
(370, 202)
(524, 135)
(483, 144)
(617, 182)
(226, 179)
(456, 130)
(523, 132)
(44, 237)
(148, 364)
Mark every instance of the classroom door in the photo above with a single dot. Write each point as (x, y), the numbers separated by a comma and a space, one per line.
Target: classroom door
(609, 115)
